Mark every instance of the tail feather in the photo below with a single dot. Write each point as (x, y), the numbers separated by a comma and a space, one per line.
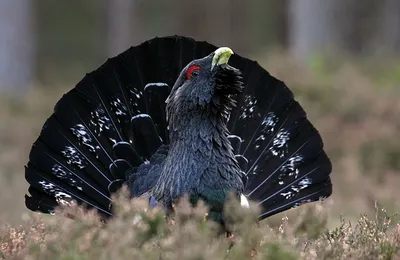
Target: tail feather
(124, 150)
(59, 191)
(109, 115)
(155, 95)
(251, 77)
(77, 156)
(236, 143)
(46, 161)
(147, 139)
(318, 190)
(40, 201)
(286, 163)
(119, 167)
(85, 128)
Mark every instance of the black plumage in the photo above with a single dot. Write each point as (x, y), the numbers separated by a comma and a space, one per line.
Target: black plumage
(158, 118)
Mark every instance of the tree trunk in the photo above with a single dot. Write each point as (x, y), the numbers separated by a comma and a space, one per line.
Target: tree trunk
(122, 29)
(310, 27)
(17, 46)
(390, 27)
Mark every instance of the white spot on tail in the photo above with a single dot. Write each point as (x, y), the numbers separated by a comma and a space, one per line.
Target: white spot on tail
(60, 195)
(134, 99)
(119, 107)
(83, 135)
(255, 168)
(290, 166)
(248, 107)
(295, 189)
(287, 195)
(304, 183)
(280, 143)
(63, 174)
(113, 140)
(53, 190)
(140, 116)
(269, 122)
(73, 157)
(100, 121)
(157, 84)
(48, 186)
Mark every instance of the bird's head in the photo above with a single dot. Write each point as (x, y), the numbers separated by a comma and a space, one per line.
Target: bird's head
(206, 84)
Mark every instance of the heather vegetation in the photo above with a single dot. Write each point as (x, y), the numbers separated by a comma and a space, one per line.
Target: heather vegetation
(142, 233)
(355, 106)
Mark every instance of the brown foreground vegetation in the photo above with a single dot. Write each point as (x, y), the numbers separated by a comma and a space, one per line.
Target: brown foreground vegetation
(141, 233)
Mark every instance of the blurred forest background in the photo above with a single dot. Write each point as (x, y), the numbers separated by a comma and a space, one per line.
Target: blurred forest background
(340, 57)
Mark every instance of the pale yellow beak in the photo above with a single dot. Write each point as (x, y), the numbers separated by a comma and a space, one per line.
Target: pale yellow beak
(221, 56)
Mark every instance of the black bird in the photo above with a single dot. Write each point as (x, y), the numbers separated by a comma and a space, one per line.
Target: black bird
(170, 117)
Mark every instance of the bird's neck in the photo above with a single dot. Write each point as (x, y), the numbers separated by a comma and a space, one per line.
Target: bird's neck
(202, 126)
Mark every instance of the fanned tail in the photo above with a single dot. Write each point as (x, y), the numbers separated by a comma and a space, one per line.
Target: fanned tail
(108, 125)
(281, 152)
(114, 120)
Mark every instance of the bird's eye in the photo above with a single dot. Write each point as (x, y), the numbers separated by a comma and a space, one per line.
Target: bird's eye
(192, 71)
(195, 73)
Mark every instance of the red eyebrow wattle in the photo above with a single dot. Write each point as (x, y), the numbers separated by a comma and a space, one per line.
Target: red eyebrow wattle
(190, 70)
